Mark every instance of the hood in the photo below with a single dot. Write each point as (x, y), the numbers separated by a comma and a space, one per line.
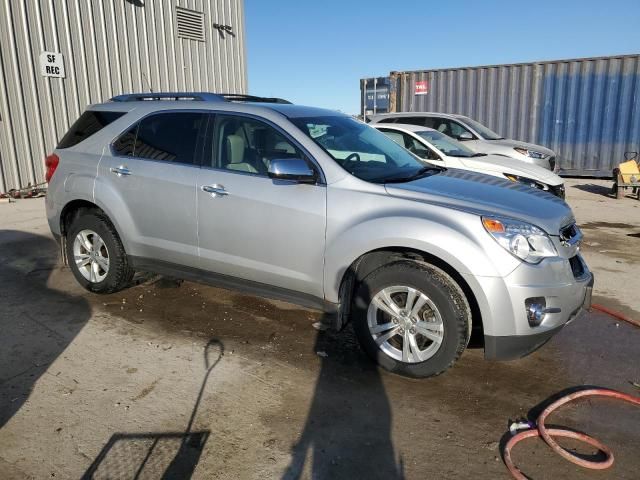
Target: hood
(488, 195)
(498, 163)
(507, 142)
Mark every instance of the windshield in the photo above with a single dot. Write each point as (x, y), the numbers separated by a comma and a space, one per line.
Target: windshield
(362, 150)
(446, 145)
(483, 131)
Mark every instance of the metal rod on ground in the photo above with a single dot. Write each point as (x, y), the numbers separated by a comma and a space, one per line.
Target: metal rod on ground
(615, 314)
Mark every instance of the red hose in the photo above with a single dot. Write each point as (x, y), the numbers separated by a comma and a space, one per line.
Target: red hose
(615, 314)
(548, 434)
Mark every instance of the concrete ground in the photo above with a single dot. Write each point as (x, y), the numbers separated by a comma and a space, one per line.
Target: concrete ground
(169, 381)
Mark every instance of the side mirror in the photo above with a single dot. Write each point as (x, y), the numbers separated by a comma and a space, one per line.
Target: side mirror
(465, 136)
(294, 169)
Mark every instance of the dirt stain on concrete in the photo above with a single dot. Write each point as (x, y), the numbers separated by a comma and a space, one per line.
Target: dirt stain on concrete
(146, 390)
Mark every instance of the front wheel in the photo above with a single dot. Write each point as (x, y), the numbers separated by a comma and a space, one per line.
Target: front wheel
(412, 318)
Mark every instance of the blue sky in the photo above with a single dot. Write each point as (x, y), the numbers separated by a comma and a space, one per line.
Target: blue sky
(315, 52)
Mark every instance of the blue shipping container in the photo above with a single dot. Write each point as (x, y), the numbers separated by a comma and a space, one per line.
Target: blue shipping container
(586, 110)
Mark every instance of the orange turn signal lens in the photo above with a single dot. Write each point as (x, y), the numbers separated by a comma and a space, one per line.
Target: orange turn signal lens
(492, 225)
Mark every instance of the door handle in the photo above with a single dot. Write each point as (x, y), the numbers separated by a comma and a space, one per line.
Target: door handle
(121, 171)
(215, 190)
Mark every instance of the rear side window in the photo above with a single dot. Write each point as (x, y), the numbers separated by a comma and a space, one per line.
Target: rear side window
(171, 137)
(420, 121)
(89, 123)
(125, 144)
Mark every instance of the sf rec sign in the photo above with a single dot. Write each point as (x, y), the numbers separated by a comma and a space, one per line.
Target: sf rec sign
(51, 64)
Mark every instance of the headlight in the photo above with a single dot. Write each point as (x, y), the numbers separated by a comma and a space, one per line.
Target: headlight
(530, 153)
(527, 181)
(521, 239)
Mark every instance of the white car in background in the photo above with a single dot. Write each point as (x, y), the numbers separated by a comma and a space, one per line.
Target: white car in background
(475, 136)
(439, 149)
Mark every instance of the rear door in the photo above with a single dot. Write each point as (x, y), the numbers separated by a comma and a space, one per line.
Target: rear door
(148, 177)
(250, 226)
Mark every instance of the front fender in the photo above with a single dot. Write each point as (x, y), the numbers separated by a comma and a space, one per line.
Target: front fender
(470, 251)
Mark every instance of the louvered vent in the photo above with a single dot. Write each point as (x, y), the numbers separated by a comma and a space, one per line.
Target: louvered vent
(190, 24)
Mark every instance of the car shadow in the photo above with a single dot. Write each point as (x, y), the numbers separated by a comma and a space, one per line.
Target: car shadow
(347, 433)
(596, 189)
(162, 455)
(37, 323)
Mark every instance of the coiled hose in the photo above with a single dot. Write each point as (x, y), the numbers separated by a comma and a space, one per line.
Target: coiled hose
(548, 434)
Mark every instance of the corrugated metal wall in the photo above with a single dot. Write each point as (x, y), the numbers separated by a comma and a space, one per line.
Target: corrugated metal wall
(109, 47)
(587, 110)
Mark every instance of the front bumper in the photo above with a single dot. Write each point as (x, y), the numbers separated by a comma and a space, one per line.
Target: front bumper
(562, 285)
(517, 346)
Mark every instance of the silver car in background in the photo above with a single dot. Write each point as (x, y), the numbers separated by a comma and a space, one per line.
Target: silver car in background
(440, 149)
(314, 207)
(476, 136)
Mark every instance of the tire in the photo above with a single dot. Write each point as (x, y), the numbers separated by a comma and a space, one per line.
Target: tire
(93, 229)
(445, 315)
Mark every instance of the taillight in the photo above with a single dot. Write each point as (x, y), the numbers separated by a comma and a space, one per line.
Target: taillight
(51, 163)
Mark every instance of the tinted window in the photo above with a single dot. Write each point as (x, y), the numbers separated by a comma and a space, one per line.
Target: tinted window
(246, 145)
(448, 127)
(407, 141)
(89, 123)
(171, 137)
(395, 136)
(482, 130)
(362, 150)
(446, 144)
(412, 120)
(126, 142)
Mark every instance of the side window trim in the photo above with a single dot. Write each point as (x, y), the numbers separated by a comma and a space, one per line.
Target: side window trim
(213, 114)
(197, 157)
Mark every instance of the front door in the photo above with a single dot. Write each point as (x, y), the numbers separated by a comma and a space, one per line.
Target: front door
(250, 226)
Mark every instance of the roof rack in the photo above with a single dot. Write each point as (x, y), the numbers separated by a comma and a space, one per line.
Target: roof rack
(196, 96)
(239, 97)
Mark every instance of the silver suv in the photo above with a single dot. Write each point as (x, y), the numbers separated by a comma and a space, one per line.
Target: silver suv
(317, 208)
(476, 136)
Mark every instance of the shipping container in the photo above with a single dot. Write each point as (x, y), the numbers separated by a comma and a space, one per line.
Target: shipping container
(587, 110)
(375, 95)
(58, 56)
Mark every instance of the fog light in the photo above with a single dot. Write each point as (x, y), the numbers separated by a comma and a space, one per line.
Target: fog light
(536, 310)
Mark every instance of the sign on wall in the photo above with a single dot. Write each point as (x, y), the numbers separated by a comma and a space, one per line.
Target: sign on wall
(422, 87)
(52, 64)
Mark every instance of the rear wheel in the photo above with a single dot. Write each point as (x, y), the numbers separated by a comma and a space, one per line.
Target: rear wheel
(96, 255)
(412, 318)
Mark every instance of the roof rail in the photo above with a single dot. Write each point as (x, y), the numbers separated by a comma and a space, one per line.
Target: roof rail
(194, 96)
(239, 97)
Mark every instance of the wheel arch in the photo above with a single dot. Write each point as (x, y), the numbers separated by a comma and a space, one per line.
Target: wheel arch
(71, 210)
(374, 259)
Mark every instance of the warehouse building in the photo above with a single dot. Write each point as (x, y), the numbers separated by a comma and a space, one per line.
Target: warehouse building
(58, 56)
(587, 110)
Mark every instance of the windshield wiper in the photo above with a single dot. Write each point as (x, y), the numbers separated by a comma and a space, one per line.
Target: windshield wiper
(479, 155)
(407, 178)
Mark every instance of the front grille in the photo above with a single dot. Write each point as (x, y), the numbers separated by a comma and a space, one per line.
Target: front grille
(576, 266)
(552, 164)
